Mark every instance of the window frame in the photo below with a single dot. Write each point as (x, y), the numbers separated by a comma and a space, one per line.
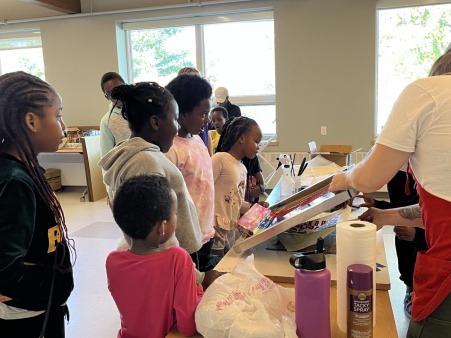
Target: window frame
(24, 36)
(387, 5)
(198, 20)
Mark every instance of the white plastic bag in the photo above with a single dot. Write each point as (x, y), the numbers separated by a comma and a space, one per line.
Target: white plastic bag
(244, 303)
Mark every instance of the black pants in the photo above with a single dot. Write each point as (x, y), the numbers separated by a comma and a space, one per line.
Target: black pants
(203, 258)
(406, 250)
(31, 327)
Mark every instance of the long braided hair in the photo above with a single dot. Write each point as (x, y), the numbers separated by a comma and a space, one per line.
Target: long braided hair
(232, 130)
(22, 93)
(142, 101)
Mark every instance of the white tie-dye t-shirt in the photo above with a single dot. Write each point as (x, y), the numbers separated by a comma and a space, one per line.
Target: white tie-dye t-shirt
(191, 156)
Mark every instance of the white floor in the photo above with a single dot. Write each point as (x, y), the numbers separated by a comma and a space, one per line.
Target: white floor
(93, 313)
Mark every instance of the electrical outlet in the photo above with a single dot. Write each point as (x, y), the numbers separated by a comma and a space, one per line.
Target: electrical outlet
(323, 130)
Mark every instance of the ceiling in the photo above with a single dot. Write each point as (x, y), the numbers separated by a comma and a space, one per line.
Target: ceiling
(16, 10)
(11, 10)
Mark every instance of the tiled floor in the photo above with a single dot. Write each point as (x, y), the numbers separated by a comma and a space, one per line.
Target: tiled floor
(93, 313)
(91, 224)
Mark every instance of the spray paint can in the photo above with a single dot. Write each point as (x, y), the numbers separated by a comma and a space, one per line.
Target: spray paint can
(360, 301)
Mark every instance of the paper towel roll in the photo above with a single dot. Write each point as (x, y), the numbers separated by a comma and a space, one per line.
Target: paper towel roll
(356, 244)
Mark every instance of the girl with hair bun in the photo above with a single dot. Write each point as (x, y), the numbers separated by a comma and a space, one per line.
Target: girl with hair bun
(152, 114)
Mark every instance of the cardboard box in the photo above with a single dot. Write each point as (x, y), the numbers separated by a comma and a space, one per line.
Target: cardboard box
(337, 153)
(51, 172)
(55, 183)
(53, 176)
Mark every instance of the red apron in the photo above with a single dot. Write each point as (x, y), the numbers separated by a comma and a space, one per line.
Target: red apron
(432, 281)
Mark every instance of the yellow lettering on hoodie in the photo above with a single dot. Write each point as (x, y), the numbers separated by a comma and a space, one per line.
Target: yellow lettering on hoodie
(54, 238)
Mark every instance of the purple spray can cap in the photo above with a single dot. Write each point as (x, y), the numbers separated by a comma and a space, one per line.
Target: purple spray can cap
(360, 277)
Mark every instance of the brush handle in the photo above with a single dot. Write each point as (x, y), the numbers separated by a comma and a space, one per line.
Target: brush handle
(303, 169)
(301, 166)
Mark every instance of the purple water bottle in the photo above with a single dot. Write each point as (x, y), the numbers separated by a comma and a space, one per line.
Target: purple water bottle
(312, 292)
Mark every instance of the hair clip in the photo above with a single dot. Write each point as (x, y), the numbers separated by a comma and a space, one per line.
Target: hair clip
(155, 84)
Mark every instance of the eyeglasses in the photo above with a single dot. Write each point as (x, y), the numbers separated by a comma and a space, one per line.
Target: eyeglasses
(108, 94)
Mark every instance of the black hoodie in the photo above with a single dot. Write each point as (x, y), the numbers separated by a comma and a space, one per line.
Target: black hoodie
(28, 239)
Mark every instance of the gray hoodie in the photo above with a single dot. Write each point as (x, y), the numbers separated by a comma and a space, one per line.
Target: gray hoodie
(137, 157)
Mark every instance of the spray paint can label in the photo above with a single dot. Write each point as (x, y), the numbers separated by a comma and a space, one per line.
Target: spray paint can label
(360, 301)
(360, 313)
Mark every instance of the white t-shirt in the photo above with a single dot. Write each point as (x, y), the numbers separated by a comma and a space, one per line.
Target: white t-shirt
(113, 129)
(229, 175)
(420, 123)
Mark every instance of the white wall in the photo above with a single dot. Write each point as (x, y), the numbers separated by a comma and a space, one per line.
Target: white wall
(325, 66)
(325, 72)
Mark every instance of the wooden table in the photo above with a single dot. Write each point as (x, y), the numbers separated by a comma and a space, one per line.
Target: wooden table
(275, 265)
(75, 150)
(385, 322)
(90, 150)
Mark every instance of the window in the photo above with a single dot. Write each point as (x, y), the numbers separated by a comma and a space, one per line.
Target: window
(410, 40)
(240, 56)
(233, 51)
(158, 54)
(265, 115)
(21, 51)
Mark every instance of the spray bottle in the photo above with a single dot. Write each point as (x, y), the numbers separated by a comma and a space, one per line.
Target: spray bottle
(312, 293)
(287, 184)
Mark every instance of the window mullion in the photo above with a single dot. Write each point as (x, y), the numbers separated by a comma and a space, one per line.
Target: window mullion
(129, 55)
(200, 48)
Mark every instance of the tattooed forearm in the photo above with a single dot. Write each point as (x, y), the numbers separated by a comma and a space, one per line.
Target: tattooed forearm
(411, 213)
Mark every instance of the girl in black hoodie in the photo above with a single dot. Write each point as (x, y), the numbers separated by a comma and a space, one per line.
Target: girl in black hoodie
(35, 266)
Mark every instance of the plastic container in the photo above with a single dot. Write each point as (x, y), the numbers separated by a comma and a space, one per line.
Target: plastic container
(360, 301)
(312, 293)
(297, 183)
(287, 183)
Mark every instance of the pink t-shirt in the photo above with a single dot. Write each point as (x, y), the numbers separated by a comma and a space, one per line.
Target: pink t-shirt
(153, 292)
(193, 160)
